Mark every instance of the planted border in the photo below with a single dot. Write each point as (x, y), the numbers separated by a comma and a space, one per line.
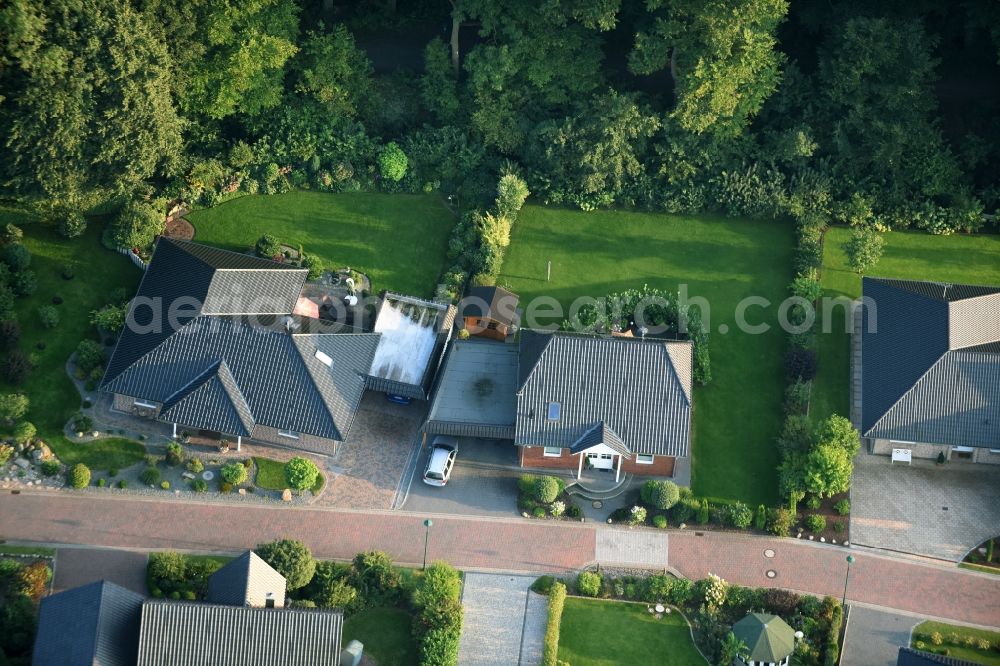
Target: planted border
(550, 649)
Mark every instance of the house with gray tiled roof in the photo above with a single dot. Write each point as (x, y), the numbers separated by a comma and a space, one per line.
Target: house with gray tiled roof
(211, 344)
(930, 369)
(570, 400)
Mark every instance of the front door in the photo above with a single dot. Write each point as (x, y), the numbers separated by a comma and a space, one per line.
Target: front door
(601, 460)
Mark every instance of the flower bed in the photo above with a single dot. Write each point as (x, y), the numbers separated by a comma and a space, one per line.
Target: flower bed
(541, 496)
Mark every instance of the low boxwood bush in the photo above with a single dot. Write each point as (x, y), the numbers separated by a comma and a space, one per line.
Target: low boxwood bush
(815, 523)
(50, 467)
(550, 649)
(660, 494)
(546, 489)
(301, 473)
(79, 476)
(199, 485)
(543, 584)
(150, 476)
(660, 521)
(122, 483)
(588, 584)
(843, 507)
(235, 473)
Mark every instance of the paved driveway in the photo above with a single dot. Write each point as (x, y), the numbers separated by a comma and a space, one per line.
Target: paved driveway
(942, 512)
(504, 621)
(875, 636)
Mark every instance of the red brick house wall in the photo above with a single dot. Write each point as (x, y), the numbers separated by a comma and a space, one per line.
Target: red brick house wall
(534, 456)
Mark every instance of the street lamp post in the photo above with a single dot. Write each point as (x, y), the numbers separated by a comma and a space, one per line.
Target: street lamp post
(427, 536)
(850, 561)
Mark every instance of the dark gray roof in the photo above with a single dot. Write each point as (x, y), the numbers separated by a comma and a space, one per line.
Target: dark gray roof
(493, 303)
(476, 391)
(186, 634)
(196, 279)
(910, 657)
(768, 638)
(211, 401)
(600, 433)
(931, 363)
(246, 581)
(283, 383)
(96, 624)
(640, 390)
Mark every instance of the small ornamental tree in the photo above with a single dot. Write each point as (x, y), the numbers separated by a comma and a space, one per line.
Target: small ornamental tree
(268, 247)
(89, 355)
(329, 587)
(234, 473)
(546, 489)
(660, 494)
(79, 476)
(12, 407)
(392, 163)
(10, 333)
(16, 367)
(24, 433)
(72, 223)
(588, 584)
(292, 559)
(864, 248)
(137, 226)
(301, 473)
(375, 578)
(827, 470)
(48, 315)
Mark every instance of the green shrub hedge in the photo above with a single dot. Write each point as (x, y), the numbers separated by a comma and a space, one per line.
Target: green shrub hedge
(557, 599)
(588, 584)
(438, 624)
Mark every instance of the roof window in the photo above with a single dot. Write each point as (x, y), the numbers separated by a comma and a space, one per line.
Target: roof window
(554, 410)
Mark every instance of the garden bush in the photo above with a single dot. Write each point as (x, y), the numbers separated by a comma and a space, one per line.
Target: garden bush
(438, 624)
(546, 489)
(167, 566)
(392, 163)
(89, 356)
(550, 649)
(538, 512)
(301, 473)
(800, 364)
(660, 494)
(268, 247)
(660, 521)
(165, 485)
(588, 584)
(72, 224)
(101, 483)
(543, 584)
(233, 473)
(198, 485)
(330, 587)
(637, 515)
(82, 423)
(292, 559)
(813, 502)
(842, 507)
(48, 315)
(24, 433)
(175, 454)
(195, 465)
(703, 512)
(79, 476)
(815, 523)
(375, 578)
(739, 515)
(760, 518)
(150, 476)
(49, 467)
(780, 521)
(17, 366)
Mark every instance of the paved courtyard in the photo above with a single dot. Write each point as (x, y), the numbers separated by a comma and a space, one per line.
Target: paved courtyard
(875, 636)
(504, 621)
(936, 511)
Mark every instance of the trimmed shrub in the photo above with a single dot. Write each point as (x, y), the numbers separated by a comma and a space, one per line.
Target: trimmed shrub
(660, 494)
(760, 518)
(175, 454)
(843, 507)
(48, 315)
(779, 521)
(800, 363)
(739, 515)
(815, 523)
(79, 476)
(660, 521)
(538, 512)
(268, 247)
(440, 581)
(195, 465)
(89, 356)
(301, 473)
(703, 512)
(543, 584)
(165, 485)
(588, 583)
(199, 485)
(550, 649)
(233, 473)
(150, 476)
(292, 559)
(546, 489)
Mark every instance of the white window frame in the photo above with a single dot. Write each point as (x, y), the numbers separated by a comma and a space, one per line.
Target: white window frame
(548, 411)
(143, 404)
(546, 451)
(994, 450)
(639, 459)
(290, 434)
(324, 358)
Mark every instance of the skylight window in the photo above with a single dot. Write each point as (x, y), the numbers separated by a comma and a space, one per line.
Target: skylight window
(554, 409)
(323, 358)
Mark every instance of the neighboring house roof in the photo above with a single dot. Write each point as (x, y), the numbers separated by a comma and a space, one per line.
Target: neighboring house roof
(246, 581)
(233, 372)
(910, 657)
(768, 638)
(634, 394)
(192, 633)
(476, 391)
(931, 363)
(493, 303)
(96, 624)
(414, 333)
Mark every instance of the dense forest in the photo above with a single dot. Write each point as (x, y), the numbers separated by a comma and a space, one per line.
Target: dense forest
(885, 114)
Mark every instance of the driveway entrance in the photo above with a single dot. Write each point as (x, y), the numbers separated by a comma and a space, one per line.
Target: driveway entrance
(925, 509)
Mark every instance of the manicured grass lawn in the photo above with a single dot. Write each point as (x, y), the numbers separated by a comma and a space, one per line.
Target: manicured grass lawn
(398, 240)
(989, 657)
(386, 634)
(738, 415)
(913, 255)
(271, 475)
(53, 397)
(980, 568)
(605, 633)
(9, 549)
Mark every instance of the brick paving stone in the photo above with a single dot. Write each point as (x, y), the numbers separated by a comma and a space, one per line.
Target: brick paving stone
(495, 606)
(890, 582)
(632, 548)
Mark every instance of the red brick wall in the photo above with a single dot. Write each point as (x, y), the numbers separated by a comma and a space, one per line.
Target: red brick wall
(534, 456)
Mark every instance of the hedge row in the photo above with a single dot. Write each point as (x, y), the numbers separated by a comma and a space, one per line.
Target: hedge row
(438, 624)
(557, 598)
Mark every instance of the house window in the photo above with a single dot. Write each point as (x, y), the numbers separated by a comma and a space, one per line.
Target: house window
(290, 434)
(553, 452)
(554, 409)
(324, 358)
(268, 603)
(961, 452)
(143, 403)
(644, 460)
(492, 326)
(994, 450)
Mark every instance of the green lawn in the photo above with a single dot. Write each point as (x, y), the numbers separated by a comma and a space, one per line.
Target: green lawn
(399, 240)
(914, 255)
(738, 415)
(605, 633)
(271, 475)
(980, 568)
(53, 397)
(386, 633)
(10, 549)
(989, 657)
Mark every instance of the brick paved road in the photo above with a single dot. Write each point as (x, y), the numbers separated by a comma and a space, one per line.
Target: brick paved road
(494, 544)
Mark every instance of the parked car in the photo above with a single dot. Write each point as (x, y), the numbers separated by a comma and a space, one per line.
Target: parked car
(444, 450)
(397, 399)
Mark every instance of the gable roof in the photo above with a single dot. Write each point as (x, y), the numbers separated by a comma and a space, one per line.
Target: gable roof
(96, 624)
(600, 433)
(768, 638)
(246, 581)
(931, 362)
(211, 401)
(495, 303)
(193, 633)
(628, 391)
(910, 657)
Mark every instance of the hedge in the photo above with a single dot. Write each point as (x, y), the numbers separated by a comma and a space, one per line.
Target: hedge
(557, 598)
(438, 625)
